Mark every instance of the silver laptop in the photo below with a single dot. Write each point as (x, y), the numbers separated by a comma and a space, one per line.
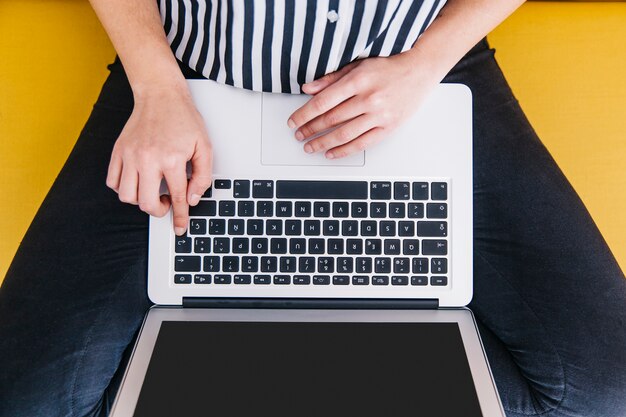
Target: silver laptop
(308, 286)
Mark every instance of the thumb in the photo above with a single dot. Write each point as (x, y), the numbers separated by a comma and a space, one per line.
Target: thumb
(318, 85)
(201, 167)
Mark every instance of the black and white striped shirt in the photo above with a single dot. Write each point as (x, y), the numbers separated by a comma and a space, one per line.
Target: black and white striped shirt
(278, 45)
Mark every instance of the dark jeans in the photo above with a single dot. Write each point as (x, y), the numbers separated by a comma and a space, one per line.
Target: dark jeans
(549, 297)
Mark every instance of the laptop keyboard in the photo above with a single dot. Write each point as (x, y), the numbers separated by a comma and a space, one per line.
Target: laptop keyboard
(305, 232)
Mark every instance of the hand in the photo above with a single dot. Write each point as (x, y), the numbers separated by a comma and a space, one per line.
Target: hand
(163, 133)
(365, 101)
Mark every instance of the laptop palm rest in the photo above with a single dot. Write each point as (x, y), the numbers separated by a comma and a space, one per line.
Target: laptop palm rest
(278, 144)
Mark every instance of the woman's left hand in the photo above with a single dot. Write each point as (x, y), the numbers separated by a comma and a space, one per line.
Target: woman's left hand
(365, 100)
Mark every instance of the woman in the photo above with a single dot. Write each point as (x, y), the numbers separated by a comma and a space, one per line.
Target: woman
(548, 295)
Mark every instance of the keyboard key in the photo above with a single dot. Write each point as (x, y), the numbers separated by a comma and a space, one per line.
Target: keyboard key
(182, 279)
(373, 246)
(325, 265)
(274, 227)
(331, 227)
(293, 227)
(203, 208)
(243, 279)
(380, 190)
(306, 264)
(401, 190)
(301, 280)
(321, 280)
(208, 193)
(360, 280)
(236, 226)
(399, 280)
(382, 265)
(249, 264)
(288, 264)
(349, 228)
(211, 264)
(406, 229)
(341, 209)
(217, 226)
(187, 264)
(269, 264)
(387, 228)
(368, 228)
(420, 191)
(222, 184)
(284, 208)
(263, 189)
(245, 208)
(345, 265)
(182, 244)
(227, 208)
(416, 210)
(341, 280)
(420, 265)
(392, 246)
(380, 280)
(432, 229)
(439, 265)
(311, 227)
(282, 279)
(354, 247)
(378, 210)
(264, 208)
(436, 210)
(419, 280)
(363, 265)
(259, 245)
(321, 209)
(359, 210)
(241, 189)
(434, 247)
(397, 210)
(410, 247)
(255, 227)
(230, 264)
(201, 279)
(222, 279)
(303, 209)
(335, 247)
(401, 265)
(438, 281)
(322, 190)
(202, 245)
(262, 279)
(197, 227)
(221, 245)
(316, 246)
(297, 246)
(439, 191)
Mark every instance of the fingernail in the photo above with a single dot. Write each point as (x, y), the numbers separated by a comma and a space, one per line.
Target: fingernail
(308, 148)
(179, 231)
(194, 200)
(299, 135)
(330, 155)
(291, 124)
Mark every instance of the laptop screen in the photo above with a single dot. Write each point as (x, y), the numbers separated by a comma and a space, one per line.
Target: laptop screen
(308, 369)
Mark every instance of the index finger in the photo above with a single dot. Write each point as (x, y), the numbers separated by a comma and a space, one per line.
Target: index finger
(320, 103)
(176, 180)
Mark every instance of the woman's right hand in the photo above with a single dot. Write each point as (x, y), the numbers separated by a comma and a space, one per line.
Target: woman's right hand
(163, 133)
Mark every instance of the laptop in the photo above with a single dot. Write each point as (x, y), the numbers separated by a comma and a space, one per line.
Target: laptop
(307, 286)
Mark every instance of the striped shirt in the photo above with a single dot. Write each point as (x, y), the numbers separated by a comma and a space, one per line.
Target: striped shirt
(278, 45)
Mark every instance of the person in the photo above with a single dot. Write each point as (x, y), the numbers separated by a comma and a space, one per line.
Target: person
(549, 297)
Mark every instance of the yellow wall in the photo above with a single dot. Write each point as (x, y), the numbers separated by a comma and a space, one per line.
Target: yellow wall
(565, 62)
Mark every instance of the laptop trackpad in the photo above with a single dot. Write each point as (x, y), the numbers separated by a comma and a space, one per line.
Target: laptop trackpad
(280, 147)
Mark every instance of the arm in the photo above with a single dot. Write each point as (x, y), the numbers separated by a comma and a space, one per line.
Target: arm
(373, 96)
(165, 130)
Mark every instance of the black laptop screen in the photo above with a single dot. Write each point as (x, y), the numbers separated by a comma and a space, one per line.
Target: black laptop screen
(308, 369)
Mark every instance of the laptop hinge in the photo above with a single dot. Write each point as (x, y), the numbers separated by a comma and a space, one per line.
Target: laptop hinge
(313, 303)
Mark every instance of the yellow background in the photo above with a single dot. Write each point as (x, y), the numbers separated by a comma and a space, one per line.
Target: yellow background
(566, 63)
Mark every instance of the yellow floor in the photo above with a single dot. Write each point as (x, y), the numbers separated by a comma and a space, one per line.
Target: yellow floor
(565, 62)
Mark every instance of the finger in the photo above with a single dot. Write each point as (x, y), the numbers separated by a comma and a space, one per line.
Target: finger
(320, 104)
(114, 172)
(347, 110)
(127, 190)
(366, 140)
(201, 166)
(149, 198)
(176, 180)
(318, 85)
(343, 134)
